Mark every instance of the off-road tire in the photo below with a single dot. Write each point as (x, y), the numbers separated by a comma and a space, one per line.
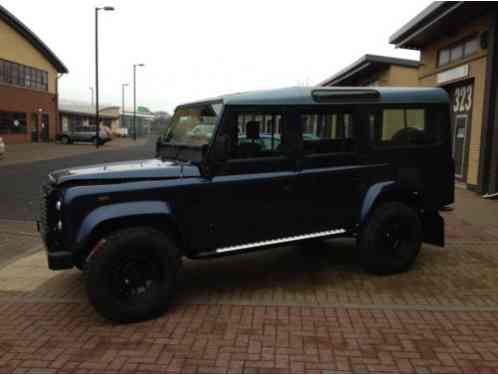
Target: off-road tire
(377, 255)
(107, 263)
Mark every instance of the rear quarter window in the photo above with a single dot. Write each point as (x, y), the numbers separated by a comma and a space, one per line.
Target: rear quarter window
(395, 127)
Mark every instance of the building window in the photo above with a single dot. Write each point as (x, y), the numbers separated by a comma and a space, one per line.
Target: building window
(15, 74)
(458, 51)
(12, 123)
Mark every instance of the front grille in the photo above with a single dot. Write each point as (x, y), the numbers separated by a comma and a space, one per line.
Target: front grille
(48, 214)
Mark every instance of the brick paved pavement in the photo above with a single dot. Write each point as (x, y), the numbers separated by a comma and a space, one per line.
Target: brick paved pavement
(275, 311)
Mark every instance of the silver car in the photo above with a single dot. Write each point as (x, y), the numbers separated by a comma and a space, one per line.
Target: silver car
(2, 148)
(84, 134)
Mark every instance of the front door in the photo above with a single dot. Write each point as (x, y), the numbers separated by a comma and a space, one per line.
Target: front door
(44, 128)
(34, 127)
(251, 197)
(459, 142)
(461, 116)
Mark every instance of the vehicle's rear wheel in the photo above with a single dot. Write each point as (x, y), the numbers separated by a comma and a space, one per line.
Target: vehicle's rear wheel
(65, 140)
(130, 275)
(391, 239)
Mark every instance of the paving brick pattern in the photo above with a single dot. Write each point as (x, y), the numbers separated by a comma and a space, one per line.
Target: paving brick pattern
(285, 310)
(462, 275)
(251, 339)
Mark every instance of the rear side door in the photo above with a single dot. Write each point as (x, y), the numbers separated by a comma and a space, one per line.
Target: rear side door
(414, 139)
(329, 174)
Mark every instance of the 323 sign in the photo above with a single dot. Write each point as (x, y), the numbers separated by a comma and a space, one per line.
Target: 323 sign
(462, 99)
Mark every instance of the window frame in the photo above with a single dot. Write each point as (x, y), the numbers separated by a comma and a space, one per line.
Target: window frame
(232, 113)
(25, 76)
(9, 117)
(377, 111)
(460, 43)
(342, 109)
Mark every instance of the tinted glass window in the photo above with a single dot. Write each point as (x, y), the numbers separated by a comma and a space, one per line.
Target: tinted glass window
(444, 57)
(458, 51)
(258, 135)
(471, 46)
(401, 127)
(12, 123)
(325, 133)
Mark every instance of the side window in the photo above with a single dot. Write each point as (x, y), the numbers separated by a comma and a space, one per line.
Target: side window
(258, 136)
(326, 133)
(402, 127)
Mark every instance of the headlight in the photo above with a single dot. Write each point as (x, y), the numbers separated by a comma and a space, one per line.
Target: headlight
(58, 205)
(59, 225)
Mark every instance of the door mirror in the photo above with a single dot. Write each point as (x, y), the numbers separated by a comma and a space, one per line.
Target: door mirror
(221, 148)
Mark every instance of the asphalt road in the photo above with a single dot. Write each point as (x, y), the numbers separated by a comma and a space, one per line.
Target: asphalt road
(20, 183)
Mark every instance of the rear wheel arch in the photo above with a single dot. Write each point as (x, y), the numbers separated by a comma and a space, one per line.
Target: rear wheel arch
(388, 192)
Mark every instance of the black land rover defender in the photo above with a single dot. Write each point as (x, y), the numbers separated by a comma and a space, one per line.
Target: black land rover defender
(256, 170)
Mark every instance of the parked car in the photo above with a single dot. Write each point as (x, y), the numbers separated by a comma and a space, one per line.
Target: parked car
(377, 168)
(84, 134)
(2, 148)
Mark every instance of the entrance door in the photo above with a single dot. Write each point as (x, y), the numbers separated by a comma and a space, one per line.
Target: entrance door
(459, 141)
(34, 127)
(461, 121)
(44, 128)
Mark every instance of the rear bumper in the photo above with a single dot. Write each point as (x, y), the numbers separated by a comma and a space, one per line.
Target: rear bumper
(60, 260)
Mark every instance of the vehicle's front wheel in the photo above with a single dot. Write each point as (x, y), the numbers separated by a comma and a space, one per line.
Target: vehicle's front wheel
(391, 239)
(130, 275)
(65, 140)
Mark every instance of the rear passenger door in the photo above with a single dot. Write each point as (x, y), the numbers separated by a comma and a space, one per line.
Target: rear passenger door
(328, 179)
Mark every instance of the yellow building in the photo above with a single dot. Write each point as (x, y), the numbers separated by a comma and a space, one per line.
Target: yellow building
(458, 45)
(28, 83)
(373, 70)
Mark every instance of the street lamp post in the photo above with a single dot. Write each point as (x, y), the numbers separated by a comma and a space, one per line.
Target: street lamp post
(135, 99)
(123, 102)
(91, 98)
(97, 119)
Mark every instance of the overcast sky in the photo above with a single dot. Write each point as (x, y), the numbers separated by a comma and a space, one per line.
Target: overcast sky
(198, 49)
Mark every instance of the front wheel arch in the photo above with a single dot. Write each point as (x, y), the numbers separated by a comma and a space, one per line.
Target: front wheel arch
(161, 223)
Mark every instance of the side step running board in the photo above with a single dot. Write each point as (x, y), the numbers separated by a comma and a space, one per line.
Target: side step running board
(278, 241)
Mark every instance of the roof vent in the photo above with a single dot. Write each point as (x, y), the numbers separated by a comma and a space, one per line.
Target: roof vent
(331, 95)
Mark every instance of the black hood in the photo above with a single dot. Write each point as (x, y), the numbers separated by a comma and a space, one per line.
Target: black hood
(126, 171)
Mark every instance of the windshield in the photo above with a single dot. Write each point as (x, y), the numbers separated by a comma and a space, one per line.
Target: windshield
(195, 125)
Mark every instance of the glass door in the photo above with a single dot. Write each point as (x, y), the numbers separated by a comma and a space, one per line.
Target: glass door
(460, 135)
(44, 128)
(34, 127)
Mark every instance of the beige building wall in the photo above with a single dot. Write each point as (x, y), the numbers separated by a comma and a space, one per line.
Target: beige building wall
(477, 71)
(402, 76)
(394, 75)
(14, 47)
